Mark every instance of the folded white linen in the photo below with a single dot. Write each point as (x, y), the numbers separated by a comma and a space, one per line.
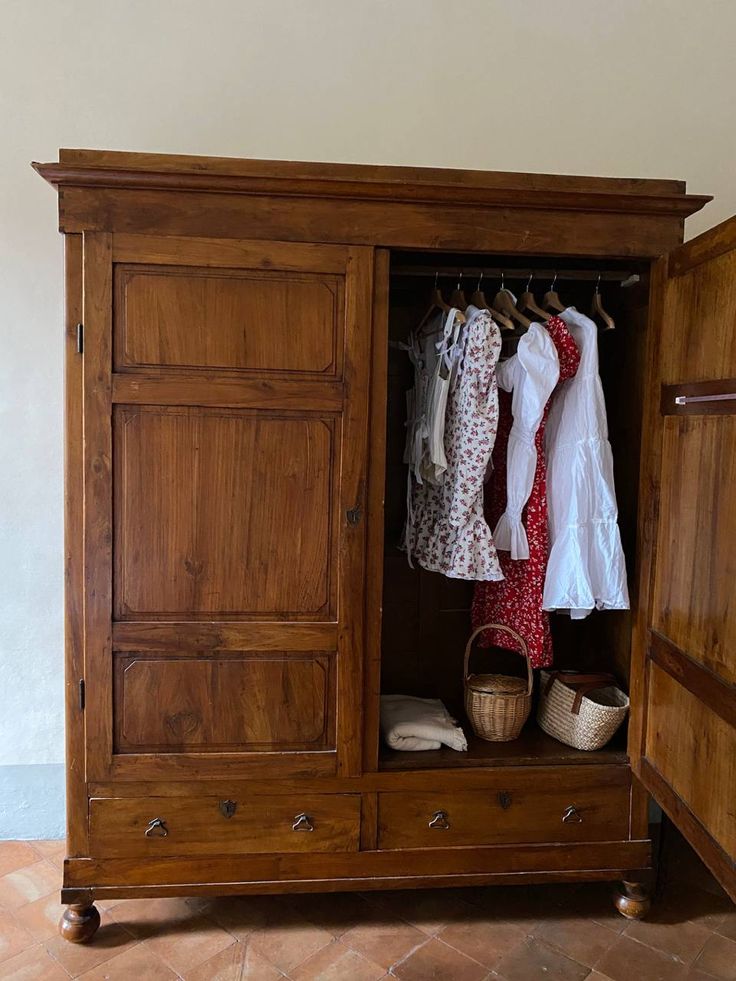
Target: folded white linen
(412, 724)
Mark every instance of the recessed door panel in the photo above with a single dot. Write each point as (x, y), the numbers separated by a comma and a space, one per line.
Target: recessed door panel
(223, 513)
(228, 319)
(223, 703)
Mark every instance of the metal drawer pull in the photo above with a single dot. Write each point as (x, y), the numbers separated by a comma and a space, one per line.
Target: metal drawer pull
(302, 822)
(156, 829)
(687, 399)
(572, 815)
(439, 821)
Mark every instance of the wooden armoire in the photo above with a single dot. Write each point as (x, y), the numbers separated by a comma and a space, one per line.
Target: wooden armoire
(236, 600)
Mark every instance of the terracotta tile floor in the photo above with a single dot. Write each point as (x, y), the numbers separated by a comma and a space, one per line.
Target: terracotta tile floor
(557, 933)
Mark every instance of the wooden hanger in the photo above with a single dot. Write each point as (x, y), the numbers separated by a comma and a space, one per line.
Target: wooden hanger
(478, 299)
(527, 303)
(552, 302)
(504, 301)
(596, 308)
(458, 297)
(437, 303)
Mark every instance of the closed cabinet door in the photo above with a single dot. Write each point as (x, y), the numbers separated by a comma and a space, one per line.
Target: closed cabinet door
(225, 428)
(684, 744)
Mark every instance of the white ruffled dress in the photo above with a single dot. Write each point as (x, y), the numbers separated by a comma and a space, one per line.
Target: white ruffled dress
(447, 531)
(586, 568)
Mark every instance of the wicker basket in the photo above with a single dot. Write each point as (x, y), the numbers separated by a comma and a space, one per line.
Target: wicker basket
(497, 705)
(581, 710)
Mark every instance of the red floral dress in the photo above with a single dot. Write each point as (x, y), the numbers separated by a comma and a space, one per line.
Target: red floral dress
(516, 601)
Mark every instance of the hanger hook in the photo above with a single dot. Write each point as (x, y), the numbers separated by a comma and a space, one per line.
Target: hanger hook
(598, 283)
(459, 280)
(502, 280)
(480, 280)
(436, 278)
(554, 280)
(529, 281)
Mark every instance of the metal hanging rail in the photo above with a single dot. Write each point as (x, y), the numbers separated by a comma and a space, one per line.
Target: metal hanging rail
(539, 276)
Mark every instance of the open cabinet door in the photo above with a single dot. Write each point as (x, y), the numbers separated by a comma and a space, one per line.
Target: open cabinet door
(683, 743)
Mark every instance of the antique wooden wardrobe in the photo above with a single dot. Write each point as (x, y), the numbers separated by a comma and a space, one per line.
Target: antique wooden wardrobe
(235, 600)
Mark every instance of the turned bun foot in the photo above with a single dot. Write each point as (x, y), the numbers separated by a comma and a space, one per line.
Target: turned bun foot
(632, 900)
(79, 923)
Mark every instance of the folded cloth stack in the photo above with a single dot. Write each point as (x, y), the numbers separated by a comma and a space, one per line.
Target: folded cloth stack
(419, 723)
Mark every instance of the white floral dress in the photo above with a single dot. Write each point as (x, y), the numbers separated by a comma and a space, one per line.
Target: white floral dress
(448, 532)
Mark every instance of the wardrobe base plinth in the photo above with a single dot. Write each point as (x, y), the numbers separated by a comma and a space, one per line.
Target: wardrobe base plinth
(633, 900)
(79, 923)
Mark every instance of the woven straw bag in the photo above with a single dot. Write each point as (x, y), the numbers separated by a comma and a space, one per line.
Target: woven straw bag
(497, 705)
(581, 710)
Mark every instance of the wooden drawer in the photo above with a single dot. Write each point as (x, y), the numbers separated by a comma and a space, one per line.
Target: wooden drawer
(121, 827)
(587, 804)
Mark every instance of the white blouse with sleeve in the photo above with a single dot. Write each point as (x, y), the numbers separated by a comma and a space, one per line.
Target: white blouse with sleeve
(531, 375)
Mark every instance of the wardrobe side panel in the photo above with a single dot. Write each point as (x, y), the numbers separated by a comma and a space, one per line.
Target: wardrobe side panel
(76, 792)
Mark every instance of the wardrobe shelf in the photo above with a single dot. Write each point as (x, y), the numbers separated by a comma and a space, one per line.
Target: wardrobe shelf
(532, 748)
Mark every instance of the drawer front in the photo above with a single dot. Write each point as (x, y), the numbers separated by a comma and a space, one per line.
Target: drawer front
(173, 826)
(523, 809)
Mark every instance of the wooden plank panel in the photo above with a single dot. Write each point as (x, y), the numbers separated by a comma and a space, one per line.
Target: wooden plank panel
(720, 864)
(492, 780)
(98, 534)
(353, 477)
(374, 510)
(229, 319)
(308, 764)
(180, 388)
(215, 704)
(708, 687)
(694, 602)
(197, 826)
(76, 793)
(713, 243)
(700, 311)
(364, 222)
(242, 254)
(223, 513)
(295, 170)
(694, 751)
(223, 636)
(590, 858)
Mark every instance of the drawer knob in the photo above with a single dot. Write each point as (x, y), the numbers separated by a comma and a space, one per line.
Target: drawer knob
(302, 822)
(156, 829)
(439, 822)
(228, 808)
(572, 815)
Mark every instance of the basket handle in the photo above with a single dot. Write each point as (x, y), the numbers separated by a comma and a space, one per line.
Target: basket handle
(524, 652)
(581, 684)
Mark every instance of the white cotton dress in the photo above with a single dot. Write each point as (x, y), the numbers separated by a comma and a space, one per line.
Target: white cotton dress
(531, 375)
(446, 530)
(586, 568)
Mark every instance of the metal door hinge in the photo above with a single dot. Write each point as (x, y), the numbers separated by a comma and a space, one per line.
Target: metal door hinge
(80, 338)
(81, 694)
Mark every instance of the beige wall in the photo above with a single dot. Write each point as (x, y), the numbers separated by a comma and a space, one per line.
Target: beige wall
(609, 87)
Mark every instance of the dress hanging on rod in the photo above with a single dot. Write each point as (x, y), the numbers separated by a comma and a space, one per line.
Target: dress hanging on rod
(586, 568)
(517, 601)
(446, 530)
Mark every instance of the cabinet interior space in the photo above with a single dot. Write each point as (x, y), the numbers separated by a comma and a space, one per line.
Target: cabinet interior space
(426, 616)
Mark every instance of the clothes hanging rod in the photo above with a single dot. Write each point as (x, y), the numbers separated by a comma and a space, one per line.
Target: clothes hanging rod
(540, 277)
